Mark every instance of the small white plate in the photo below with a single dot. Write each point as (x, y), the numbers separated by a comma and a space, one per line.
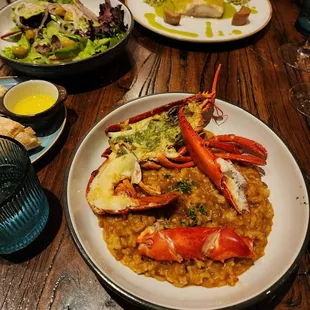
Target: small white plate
(222, 29)
(48, 136)
(286, 242)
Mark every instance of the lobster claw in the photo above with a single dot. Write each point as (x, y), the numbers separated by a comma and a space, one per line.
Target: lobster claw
(187, 243)
(224, 175)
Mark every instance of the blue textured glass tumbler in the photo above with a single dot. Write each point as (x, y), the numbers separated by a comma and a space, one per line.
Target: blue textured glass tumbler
(302, 23)
(23, 204)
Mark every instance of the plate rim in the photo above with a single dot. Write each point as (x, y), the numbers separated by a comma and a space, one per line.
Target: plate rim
(212, 41)
(61, 127)
(144, 303)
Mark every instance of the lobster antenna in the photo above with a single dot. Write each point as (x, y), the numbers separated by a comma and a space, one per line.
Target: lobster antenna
(216, 77)
(219, 111)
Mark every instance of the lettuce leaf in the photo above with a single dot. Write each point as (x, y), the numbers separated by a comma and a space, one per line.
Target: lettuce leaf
(7, 51)
(94, 47)
(34, 57)
(24, 42)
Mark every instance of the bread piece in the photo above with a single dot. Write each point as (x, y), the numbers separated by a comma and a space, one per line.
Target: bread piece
(200, 8)
(15, 130)
(28, 138)
(10, 128)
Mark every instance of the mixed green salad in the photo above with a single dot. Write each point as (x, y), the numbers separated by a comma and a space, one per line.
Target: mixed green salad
(62, 31)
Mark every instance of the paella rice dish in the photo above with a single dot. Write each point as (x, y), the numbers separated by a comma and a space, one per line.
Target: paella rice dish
(178, 203)
(200, 204)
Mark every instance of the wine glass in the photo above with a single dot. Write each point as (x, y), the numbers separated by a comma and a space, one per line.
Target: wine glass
(299, 96)
(296, 55)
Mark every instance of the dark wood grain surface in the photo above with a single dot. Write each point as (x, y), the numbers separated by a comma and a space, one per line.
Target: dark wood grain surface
(50, 273)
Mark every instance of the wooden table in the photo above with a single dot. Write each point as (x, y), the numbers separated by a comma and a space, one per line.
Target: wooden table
(51, 274)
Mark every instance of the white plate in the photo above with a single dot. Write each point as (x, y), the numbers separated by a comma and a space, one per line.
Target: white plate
(197, 26)
(286, 242)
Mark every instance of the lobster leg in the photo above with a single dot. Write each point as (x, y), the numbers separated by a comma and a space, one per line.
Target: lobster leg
(181, 159)
(226, 178)
(233, 154)
(249, 144)
(165, 162)
(249, 159)
(185, 243)
(150, 165)
(227, 147)
(182, 150)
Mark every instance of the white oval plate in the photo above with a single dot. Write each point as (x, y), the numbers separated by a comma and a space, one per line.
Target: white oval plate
(198, 25)
(285, 243)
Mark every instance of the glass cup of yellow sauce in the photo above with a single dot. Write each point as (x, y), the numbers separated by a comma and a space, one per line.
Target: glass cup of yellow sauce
(33, 103)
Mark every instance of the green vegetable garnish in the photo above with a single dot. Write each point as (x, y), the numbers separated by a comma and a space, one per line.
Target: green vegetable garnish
(192, 213)
(184, 187)
(193, 216)
(202, 209)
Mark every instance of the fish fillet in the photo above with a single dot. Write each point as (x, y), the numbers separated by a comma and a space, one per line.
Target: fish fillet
(200, 8)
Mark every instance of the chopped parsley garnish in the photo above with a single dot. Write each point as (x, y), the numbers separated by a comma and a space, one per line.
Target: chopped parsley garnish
(192, 213)
(184, 187)
(167, 175)
(193, 217)
(202, 209)
(171, 188)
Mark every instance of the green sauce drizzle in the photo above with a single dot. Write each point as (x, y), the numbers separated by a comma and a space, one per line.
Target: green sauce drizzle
(236, 31)
(253, 10)
(151, 19)
(209, 32)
